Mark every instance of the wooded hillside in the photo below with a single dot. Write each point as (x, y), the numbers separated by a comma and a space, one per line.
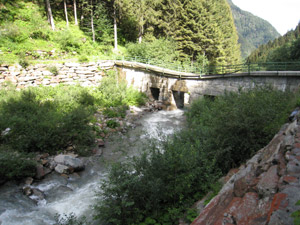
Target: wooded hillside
(201, 31)
(252, 30)
(283, 49)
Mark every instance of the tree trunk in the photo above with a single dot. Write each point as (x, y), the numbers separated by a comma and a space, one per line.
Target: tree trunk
(115, 29)
(92, 20)
(49, 14)
(75, 13)
(141, 30)
(66, 12)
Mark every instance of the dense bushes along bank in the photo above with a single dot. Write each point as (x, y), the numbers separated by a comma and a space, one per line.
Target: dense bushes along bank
(158, 186)
(51, 119)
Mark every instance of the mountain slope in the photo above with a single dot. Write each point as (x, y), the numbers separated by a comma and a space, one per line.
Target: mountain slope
(252, 30)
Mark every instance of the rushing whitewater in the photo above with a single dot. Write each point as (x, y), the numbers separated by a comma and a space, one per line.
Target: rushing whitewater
(77, 194)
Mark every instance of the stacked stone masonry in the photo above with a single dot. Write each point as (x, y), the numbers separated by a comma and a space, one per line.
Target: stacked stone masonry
(265, 190)
(86, 74)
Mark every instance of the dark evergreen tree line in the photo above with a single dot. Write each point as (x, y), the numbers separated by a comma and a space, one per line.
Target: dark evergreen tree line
(199, 28)
(282, 49)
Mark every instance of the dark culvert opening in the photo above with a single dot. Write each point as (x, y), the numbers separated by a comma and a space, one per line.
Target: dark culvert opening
(179, 99)
(155, 93)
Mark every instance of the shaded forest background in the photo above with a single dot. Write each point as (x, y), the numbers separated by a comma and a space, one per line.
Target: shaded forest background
(189, 32)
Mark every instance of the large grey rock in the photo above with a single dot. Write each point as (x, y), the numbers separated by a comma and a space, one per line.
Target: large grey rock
(73, 162)
(61, 168)
(268, 183)
(69, 161)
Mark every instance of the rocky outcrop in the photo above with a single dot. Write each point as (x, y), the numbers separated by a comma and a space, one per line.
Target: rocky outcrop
(265, 190)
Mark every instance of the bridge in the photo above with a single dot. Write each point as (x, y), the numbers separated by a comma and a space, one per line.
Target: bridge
(172, 84)
(180, 88)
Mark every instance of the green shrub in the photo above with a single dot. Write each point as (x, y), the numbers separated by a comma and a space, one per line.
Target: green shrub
(41, 125)
(23, 62)
(234, 126)
(53, 70)
(113, 92)
(115, 112)
(15, 165)
(159, 184)
(112, 124)
(83, 58)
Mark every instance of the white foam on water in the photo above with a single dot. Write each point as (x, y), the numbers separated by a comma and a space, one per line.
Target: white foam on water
(79, 201)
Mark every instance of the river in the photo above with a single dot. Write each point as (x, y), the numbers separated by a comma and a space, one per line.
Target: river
(77, 194)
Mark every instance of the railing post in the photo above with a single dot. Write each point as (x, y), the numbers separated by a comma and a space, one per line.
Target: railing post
(249, 69)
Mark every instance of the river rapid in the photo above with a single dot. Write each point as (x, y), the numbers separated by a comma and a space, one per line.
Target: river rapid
(77, 194)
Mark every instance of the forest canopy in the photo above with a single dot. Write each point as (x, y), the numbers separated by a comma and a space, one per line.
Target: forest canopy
(200, 30)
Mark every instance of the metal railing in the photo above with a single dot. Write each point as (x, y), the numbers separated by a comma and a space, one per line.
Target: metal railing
(219, 69)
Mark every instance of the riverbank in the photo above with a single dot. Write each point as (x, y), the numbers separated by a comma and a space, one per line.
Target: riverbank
(76, 192)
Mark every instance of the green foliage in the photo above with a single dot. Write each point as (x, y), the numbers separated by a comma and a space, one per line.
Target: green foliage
(23, 62)
(53, 70)
(160, 50)
(69, 41)
(236, 125)
(115, 111)
(15, 165)
(215, 188)
(83, 59)
(283, 49)
(42, 125)
(113, 92)
(191, 215)
(296, 215)
(112, 124)
(158, 186)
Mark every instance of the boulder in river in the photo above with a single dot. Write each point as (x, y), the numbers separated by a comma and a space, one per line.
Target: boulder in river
(61, 168)
(69, 161)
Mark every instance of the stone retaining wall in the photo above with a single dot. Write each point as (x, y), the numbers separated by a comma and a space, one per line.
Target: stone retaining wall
(86, 74)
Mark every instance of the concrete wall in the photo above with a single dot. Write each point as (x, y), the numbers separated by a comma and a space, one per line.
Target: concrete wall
(207, 85)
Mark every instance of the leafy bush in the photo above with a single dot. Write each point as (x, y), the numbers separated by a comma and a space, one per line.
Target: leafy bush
(115, 111)
(160, 50)
(83, 58)
(15, 165)
(112, 124)
(23, 62)
(159, 184)
(113, 91)
(234, 126)
(53, 70)
(40, 125)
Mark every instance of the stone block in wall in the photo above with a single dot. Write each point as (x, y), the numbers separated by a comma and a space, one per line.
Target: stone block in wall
(15, 68)
(72, 64)
(62, 76)
(12, 79)
(85, 72)
(67, 80)
(91, 78)
(46, 82)
(70, 83)
(47, 73)
(15, 73)
(29, 78)
(37, 73)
